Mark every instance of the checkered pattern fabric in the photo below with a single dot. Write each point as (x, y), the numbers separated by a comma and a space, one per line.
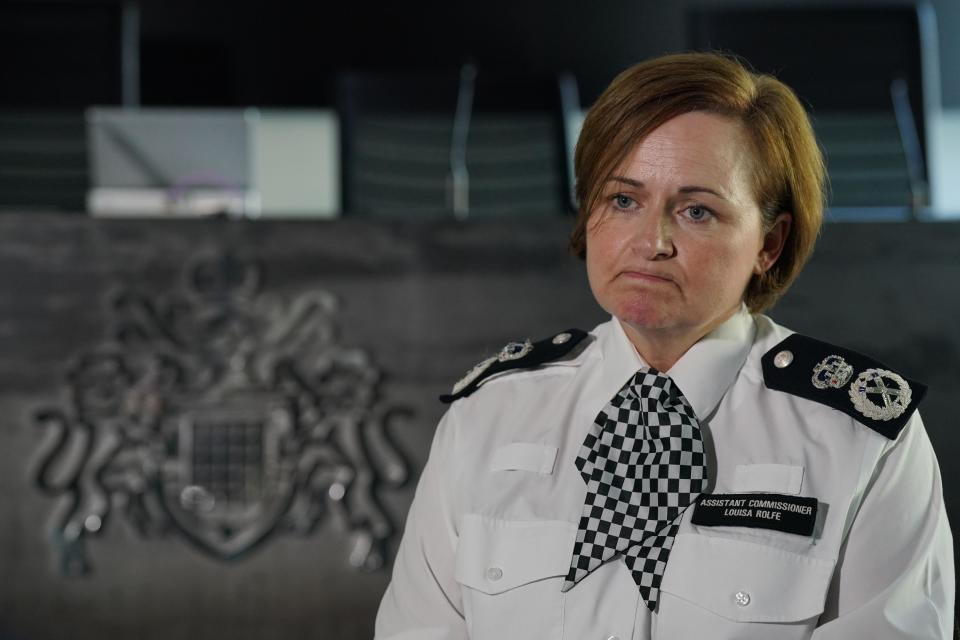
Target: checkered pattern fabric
(644, 464)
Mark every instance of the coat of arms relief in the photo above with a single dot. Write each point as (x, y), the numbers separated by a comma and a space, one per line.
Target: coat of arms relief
(225, 415)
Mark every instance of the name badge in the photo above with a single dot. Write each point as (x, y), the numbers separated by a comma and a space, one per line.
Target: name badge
(790, 514)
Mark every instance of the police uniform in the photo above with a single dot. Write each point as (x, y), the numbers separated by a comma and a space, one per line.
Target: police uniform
(489, 535)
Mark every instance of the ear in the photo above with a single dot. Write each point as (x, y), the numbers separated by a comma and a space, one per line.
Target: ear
(773, 243)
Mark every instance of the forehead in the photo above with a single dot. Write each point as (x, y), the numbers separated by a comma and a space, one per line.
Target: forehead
(698, 147)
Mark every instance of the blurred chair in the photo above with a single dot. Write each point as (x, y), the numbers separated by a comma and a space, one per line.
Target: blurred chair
(471, 144)
(57, 58)
(868, 75)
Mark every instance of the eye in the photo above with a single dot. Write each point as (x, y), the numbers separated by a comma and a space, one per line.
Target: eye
(621, 201)
(698, 213)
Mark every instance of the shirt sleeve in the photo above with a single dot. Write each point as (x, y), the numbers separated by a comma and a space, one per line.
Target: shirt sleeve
(895, 576)
(422, 601)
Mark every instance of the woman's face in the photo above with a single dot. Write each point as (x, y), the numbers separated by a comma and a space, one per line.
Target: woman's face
(677, 233)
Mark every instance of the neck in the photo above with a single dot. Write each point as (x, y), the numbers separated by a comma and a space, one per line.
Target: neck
(661, 348)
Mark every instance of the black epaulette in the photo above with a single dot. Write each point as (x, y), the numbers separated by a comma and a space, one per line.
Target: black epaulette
(843, 379)
(516, 355)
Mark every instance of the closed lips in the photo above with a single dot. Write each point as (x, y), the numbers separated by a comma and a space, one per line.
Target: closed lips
(645, 275)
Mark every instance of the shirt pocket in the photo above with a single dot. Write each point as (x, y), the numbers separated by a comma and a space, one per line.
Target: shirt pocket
(510, 574)
(722, 589)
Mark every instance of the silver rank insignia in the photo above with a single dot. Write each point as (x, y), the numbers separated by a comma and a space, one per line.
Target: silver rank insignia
(512, 351)
(877, 398)
(472, 375)
(832, 372)
(516, 356)
(880, 394)
(515, 351)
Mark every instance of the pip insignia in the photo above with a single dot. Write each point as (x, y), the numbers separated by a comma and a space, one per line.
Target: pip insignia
(877, 398)
(516, 355)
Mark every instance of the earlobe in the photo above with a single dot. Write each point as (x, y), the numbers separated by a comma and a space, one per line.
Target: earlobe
(773, 243)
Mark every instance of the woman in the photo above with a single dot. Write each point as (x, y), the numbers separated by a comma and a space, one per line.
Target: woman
(688, 469)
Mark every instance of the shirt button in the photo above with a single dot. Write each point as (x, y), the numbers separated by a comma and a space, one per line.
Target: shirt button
(783, 359)
(494, 573)
(742, 598)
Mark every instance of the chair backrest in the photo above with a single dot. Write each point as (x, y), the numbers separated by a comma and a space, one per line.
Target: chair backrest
(397, 131)
(865, 75)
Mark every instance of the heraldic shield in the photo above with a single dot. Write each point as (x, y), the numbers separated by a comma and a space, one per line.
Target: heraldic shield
(229, 473)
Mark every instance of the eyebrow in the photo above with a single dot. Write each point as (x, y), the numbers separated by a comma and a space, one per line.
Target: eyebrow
(685, 189)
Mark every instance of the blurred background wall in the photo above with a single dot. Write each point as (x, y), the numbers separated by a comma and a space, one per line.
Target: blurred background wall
(244, 247)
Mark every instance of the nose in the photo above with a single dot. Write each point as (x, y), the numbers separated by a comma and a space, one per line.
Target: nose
(654, 238)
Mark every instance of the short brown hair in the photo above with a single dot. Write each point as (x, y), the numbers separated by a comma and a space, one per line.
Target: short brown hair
(788, 169)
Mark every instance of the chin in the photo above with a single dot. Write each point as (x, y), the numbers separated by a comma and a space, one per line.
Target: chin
(644, 315)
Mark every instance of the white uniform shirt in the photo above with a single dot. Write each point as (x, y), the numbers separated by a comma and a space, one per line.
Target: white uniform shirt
(490, 533)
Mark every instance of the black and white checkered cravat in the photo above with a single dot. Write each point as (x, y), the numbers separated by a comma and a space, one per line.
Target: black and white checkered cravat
(644, 464)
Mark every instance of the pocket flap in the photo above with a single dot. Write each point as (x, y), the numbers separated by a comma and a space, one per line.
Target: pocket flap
(745, 581)
(767, 478)
(524, 456)
(494, 556)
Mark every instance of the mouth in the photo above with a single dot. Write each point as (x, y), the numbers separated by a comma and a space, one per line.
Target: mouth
(646, 276)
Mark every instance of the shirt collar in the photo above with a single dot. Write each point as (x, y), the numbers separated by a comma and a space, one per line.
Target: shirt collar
(703, 373)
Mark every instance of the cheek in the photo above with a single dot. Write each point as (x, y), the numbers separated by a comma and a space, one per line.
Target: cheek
(594, 265)
(603, 245)
(600, 262)
(723, 265)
